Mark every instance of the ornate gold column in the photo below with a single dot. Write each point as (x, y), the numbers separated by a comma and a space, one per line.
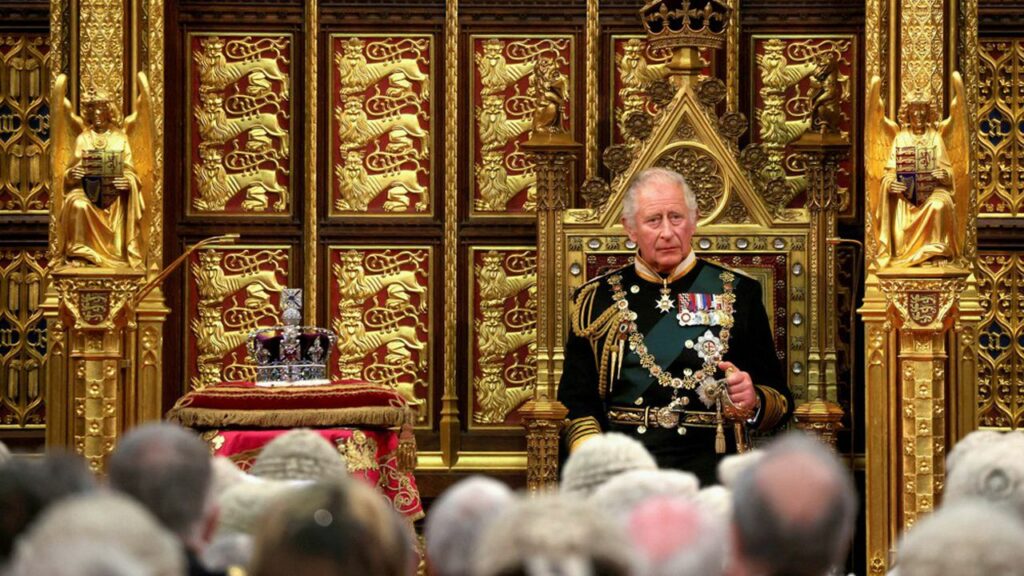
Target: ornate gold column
(105, 322)
(920, 310)
(823, 153)
(554, 154)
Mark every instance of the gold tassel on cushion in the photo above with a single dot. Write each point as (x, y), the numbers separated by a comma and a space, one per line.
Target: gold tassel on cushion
(406, 448)
(719, 429)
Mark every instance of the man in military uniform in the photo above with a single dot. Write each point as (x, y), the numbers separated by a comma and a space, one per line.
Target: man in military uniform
(672, 349)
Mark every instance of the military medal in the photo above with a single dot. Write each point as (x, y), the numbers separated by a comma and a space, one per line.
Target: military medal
(664, 304)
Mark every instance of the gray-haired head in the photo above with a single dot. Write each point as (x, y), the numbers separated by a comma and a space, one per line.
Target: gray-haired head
(168, 470)
(300, 454)
(794, 510)
(967, 539)
(457, 520)
(676, 537)
(646, 177)
(103, 521)
(599, 459)
(553, 534)
(992, 471)
(968, 444)
(5, 453)
(621, 494)
(730, 467)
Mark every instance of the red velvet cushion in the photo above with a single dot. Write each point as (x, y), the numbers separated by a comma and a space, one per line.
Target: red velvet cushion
(243, 404)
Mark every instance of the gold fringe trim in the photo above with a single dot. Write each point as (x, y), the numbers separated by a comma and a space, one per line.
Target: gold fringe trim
(320, 417)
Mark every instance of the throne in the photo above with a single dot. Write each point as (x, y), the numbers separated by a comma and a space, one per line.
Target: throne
(291, 355)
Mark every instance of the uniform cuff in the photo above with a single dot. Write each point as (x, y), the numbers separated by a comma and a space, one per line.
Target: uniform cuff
(774, 407)
(580, 429)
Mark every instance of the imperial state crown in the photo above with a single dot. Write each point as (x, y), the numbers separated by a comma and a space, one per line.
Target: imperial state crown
(291, 354)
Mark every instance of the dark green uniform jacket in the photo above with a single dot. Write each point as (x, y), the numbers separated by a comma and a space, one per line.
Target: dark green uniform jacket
(602, 396)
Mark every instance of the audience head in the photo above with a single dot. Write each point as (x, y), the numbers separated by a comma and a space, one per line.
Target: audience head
(104, 522)
(622, 493)
(244, 504)
(332, 529)
(601, 458)
(27, 487)
(229, 551)
(553, 534)
(676, 537)
(733, 465)
(457, 520)
(300, 454)
(970, 443)
(225, 475)
(991, 470)
(717, 500)
(5, 453)
(794, 509)
(168, 470)
(967, 539)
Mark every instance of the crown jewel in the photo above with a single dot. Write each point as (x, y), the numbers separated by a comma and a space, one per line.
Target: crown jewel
(291, 354)
(686, 23)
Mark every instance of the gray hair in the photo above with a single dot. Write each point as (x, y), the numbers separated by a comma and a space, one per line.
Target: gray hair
(969, 539)
(457, 520)
(640, 183)
(228, 551)
(553, 534)
(168, 470)
(991, 470)
(794, 510)
(601, 458)
(104, 521)
(623, 493)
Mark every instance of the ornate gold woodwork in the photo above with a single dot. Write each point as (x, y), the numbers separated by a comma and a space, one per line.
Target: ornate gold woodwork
(381, 304)
(636, 65)
(787, 70)
(922, 45)
(23, 338)
(24, 124)
(1000, 137)
(504, 179)
(238, 136)
(152, 15)
(503, 332)
(449, 424)
(101, 40)
(381, 128)
(311, 252)
(229, 293)
(1001, 340)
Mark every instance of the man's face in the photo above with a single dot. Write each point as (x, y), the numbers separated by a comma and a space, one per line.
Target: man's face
(918, 118)
(661, 228)
(97, 115)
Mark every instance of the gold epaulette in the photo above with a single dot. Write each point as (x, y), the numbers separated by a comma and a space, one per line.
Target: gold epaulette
(773, 408)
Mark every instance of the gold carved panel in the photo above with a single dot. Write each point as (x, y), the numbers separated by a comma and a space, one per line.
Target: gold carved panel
(381, 124)
(22, 337)
(229, 293)
(380, 305)
(787, 71)
(1000, 134)
(24, 123)
(503, 333)
(240, 121)
(1001, 340)
(503, 180)
(635, 66)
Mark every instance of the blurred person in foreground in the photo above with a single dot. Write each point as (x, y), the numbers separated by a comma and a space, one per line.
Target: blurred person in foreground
(168, 470)
(968, 539)
(554, 534)
(793, 511)
(457, 520)
(678, 537)
(68, 538)
(333, 529)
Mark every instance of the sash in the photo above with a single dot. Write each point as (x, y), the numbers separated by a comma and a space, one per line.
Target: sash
(665, 341)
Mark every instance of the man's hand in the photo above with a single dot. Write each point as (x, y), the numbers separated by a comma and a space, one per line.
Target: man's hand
(942, 175)
(741, 392)
(897, 187)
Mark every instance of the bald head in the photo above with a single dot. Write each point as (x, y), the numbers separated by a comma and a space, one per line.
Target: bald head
(794, 510)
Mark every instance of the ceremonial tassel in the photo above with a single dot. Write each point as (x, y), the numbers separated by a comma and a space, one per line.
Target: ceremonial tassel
(622, 352)
(407, 448)
(741, 437)
(719, 429)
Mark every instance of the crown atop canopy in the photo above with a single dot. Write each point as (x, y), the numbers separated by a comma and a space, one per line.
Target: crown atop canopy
(291, 355)
(685, 23)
